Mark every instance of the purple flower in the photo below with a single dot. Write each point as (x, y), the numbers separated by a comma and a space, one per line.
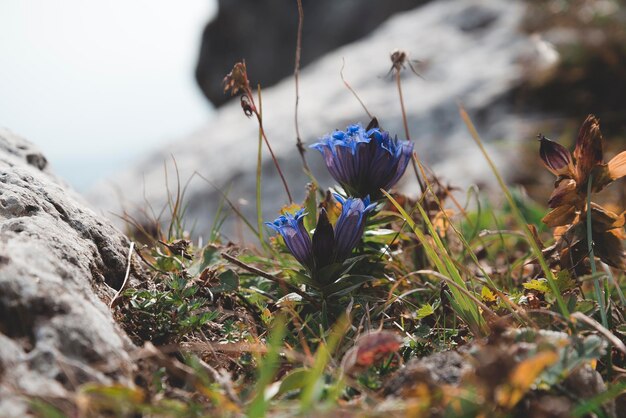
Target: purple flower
(291, 228)
(329, 244)
(364, 162)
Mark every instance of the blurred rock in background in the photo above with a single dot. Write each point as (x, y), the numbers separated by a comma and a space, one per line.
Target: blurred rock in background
(519, 68)
(264, 34)
(470, 51)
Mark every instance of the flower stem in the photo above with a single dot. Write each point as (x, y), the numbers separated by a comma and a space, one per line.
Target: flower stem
(296, 75)
(259, 208)
(406, 130)
(592, 259)
(259, 118)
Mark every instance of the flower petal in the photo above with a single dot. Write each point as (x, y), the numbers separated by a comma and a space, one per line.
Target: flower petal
(364, 160)
(617, 166)
(297, 239)
(555, 157)
(323, 241)
(565, 194)
(559, 216)
(350, 225)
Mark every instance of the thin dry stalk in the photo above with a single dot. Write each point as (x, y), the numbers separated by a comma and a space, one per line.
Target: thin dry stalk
(296, 75)
(617, 343)
(406, 132)
(126, 276)
(349, 87)
(259, 117)
(270, 277)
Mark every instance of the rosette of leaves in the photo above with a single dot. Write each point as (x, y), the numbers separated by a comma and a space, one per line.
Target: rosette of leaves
(578, 173)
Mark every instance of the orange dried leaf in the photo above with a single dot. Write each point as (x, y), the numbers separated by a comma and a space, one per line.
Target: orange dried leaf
(617, 166)
(522, 377)
(603, 219)
(560, 216)
(565, 194)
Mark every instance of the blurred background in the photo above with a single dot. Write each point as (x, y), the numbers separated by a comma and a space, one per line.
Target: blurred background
(116, 92)
(94, 84)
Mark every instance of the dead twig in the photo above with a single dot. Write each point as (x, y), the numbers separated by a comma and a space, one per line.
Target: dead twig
(115, 299)
(268, 276)
(602, 330)
(349, 87)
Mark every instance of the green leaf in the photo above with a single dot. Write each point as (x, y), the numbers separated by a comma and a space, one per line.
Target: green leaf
(301, 277)
(572, 355)
(425, 310)
(487, 295)
(333, 271)
(565, 281)
(310, 205)
(229, 282)
(210, 256)
(540, 285)
(383, 236)
(345, 285)
(294, 380)
(43, 409)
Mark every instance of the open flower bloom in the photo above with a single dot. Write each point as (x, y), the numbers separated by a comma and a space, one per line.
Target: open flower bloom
(329, 244)
(364, 161)
(569, 198)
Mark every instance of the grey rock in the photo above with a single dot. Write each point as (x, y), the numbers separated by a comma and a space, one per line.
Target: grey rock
(479, 65)
(59, 264)
(586, 383)
(444, 368)
(264, 33)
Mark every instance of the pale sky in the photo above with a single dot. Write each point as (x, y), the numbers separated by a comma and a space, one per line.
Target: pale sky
(95, 83)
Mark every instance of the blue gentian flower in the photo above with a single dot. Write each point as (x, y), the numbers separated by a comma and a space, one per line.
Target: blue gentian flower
(329, 244)
(364, 161)
(297, 239)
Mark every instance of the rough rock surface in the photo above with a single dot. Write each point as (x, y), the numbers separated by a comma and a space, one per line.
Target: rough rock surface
(59, 264)
(471, 51)
(444, 368)
(257, 30)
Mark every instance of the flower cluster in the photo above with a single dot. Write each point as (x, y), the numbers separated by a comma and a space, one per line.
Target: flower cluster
(329, 244)
(364, 161)
(568, 201)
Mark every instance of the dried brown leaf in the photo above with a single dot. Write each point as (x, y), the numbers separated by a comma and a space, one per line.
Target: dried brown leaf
(588, 151)
(565, 194)
(560, 216)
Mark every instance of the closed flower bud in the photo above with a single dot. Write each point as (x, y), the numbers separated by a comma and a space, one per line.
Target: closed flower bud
(555, 157)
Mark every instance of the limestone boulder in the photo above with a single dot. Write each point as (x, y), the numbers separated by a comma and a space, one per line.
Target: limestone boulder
(60, 265)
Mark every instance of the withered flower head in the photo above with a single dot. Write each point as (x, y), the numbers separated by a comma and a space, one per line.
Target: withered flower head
(569, 198)
(237, 79)
(400, 59)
